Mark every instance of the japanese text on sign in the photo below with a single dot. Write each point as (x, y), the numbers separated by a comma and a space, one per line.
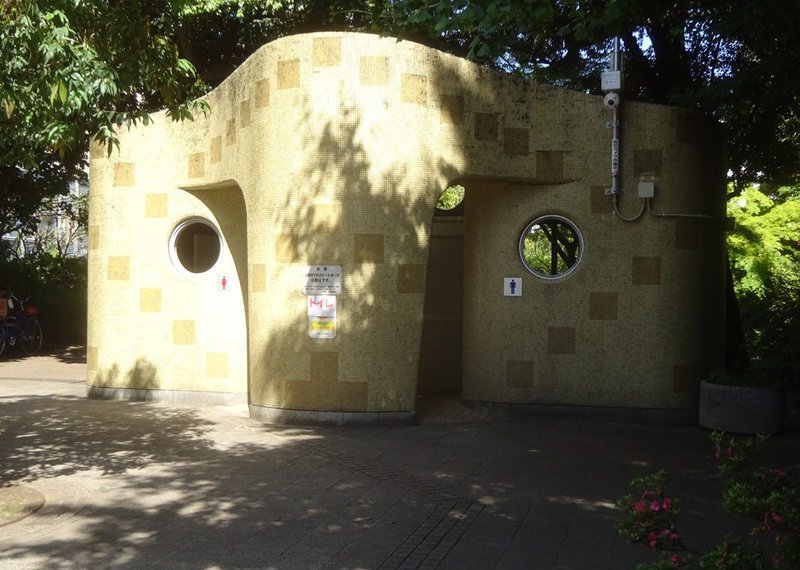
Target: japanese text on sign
(322, 316)
(322, 280)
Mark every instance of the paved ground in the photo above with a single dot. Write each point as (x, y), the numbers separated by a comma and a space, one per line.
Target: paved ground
(144, 485)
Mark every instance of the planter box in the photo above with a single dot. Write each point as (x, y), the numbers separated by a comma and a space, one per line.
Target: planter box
(740, 409)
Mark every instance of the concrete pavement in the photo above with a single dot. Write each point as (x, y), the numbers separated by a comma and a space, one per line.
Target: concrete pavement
(146, 485)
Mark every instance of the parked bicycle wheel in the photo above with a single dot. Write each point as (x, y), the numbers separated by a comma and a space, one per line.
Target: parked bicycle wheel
(2, 336)
(30, 336)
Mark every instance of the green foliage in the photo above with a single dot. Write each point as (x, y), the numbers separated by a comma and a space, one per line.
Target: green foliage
(57, 286)
(768, 497)
(734, 60)
(765, 245)
(451, 197)
(764, 249)
(550, 247)
(651, 514)
(72, 70)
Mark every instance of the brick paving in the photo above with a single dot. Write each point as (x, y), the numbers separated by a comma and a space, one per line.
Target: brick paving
(147, 485)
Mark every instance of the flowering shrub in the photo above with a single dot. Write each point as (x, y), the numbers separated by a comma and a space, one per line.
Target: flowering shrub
(767, 496)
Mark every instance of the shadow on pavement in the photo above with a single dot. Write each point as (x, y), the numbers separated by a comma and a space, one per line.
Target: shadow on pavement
(169, 487)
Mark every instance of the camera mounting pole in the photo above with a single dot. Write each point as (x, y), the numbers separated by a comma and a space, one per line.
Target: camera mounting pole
(611, 83)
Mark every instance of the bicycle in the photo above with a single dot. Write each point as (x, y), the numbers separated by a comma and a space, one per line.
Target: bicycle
(19, 323)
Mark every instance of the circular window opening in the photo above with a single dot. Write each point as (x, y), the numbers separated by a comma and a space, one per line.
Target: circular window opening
(451, 198)
(551, 247)
(195, 246)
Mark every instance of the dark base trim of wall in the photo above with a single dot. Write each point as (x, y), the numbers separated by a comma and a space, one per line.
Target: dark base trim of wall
(653, 416)
(188, 397)
(309, 417)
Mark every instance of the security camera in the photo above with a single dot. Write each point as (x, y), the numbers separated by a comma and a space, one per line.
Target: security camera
(611, 100)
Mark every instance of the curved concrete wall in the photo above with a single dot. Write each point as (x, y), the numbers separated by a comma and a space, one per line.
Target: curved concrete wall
(332, 149)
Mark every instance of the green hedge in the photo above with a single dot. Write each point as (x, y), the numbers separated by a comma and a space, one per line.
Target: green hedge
(57, 286)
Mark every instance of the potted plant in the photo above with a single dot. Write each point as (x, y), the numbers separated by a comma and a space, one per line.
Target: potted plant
(751, 401)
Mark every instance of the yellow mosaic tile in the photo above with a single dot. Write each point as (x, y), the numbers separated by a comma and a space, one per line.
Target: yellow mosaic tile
(217, 365)
(368, 248)
(216, 150)
(603, 306)
(324, 365)
(150, 300)
(288, 73)
(124, 174)
(94, 237)
(155, 205)
(414, 88)
(286, 248)
(244, 113)
(323, 391)
(91, 358)
(258, 278)
(550, 165)
(561, 340)
(519, 374)
(452, 109)
(326, 52)
(326, 217)
(118, 268)
(197, 165)
(486, 127)
(262, 93)
(183, 332)
(516, 142)
(646, 270)
(410, 278)
(373, 70)
(230, 132)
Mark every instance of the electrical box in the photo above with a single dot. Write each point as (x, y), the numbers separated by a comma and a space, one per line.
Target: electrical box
(647, 189)
(611, 80)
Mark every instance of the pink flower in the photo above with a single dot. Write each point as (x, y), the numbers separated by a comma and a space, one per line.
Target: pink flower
(673, 536)
(776, 518)
(669, 533)
(652, 539)
(638, 507)
(655, 507)
(677, 560)
(666, 504)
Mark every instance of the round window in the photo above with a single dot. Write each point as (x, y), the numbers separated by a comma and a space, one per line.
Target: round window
(195, 246)
(551, 247)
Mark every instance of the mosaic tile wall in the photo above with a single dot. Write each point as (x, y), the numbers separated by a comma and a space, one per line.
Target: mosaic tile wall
(332, 149)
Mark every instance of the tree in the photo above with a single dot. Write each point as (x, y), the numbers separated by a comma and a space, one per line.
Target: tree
(74, 70)
(733, 60)
(765, 260)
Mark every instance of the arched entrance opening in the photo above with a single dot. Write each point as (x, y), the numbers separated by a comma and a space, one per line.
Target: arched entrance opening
(440, 364)
(225, 201)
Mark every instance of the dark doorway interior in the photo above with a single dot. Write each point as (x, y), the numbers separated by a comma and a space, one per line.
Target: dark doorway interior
(441, 348)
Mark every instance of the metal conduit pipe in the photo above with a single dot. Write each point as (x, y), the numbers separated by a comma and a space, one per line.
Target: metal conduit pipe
(613, 101)
(690, 216)
(621, 216)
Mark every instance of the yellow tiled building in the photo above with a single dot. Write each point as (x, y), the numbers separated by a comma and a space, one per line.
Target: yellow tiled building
(331, 150)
